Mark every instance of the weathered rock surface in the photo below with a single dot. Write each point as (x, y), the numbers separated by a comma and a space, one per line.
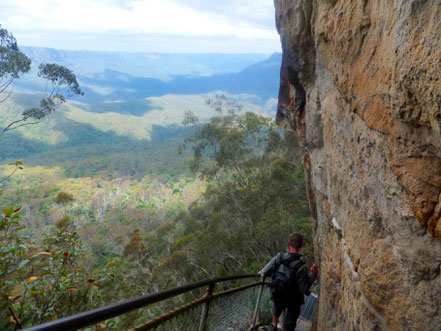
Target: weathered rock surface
(361, 85)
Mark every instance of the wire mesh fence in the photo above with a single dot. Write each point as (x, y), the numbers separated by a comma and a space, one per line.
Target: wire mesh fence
(307, 313)
(229, 310)
(308, 309)
(234, 309)
(232, 312)
(187, 320)
(188, 314)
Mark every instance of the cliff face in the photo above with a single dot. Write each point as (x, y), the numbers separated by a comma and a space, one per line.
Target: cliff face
(361, 85)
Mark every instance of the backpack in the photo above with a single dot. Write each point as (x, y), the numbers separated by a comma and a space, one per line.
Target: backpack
(284, 283)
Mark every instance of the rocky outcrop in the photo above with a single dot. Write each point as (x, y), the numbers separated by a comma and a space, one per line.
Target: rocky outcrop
(361, 85)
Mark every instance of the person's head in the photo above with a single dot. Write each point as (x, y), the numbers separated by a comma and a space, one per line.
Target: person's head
(296, 240)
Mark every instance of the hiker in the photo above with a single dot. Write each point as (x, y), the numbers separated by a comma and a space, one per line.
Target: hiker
(290, 282)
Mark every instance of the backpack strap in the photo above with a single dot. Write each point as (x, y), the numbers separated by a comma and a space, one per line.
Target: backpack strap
(291, 259)
(294, 264)
(277, 264)
(281, 258)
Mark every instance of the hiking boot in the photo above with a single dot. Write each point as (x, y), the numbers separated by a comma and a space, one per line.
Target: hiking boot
(272, 328)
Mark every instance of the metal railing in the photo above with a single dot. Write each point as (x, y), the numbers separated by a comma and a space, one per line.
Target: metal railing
(197, 312)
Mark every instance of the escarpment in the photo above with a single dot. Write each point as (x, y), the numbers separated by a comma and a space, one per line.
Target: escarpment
(361, 85)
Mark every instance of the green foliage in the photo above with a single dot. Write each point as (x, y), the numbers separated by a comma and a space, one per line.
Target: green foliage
(26, 297)
(227, 138)
(64, 224)
(39, 282)
(64, 197)
(59, 76)
(12, 62)
(60, 79)
(254, 198)
(130, 233)
(18, 166)
(13, 250)
(140, 222)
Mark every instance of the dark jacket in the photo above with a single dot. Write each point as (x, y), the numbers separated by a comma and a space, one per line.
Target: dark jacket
(304, 278)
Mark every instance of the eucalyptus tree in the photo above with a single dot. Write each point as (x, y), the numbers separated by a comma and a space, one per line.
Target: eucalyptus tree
(255, 192)
(33, 276)
(14, 63)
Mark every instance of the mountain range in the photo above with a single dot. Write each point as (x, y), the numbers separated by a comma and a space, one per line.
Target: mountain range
(126, 76)
(123, 109)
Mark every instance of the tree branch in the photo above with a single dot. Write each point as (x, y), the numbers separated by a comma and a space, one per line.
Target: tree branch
(198, 266)
(10, 175)
(9, 94)
(15, 127)
(5, 85)
(24, 118)
(9, 127)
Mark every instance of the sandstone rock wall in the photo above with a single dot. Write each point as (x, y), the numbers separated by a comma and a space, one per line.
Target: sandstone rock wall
(361, 85)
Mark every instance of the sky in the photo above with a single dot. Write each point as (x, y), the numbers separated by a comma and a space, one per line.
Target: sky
(184, 26)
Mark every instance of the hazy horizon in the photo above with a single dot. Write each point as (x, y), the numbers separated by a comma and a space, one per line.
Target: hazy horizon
(143, 52)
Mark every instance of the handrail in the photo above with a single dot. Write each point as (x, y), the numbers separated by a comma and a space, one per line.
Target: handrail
(94, 316)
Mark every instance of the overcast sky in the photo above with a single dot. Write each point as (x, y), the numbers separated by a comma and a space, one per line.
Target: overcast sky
(186, 26)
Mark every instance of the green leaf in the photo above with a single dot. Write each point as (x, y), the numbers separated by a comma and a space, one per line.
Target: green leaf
(22, 264)
(16, 163)
(8, 211)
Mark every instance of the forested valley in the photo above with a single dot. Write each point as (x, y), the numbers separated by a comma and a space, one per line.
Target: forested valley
(97, 209)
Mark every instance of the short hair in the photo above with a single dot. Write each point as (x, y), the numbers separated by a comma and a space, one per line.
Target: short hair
(296, 240)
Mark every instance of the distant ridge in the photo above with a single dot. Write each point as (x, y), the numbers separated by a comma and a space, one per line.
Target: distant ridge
(260, 80)
(112, 78)
(152, 65)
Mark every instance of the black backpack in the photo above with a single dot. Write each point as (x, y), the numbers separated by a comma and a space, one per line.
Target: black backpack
(284, 283)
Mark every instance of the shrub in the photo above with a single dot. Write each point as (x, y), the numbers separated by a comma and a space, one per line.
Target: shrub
(64, 197)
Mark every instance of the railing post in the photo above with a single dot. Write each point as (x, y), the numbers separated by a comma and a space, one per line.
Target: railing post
(206, 307)
(259, 297)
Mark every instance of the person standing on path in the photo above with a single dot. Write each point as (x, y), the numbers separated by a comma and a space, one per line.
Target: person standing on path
(291, 281)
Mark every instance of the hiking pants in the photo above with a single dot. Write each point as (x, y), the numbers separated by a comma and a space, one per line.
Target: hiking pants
(292, 314)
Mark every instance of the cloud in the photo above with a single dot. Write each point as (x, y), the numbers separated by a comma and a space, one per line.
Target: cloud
(256, 11)
(227, 21)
